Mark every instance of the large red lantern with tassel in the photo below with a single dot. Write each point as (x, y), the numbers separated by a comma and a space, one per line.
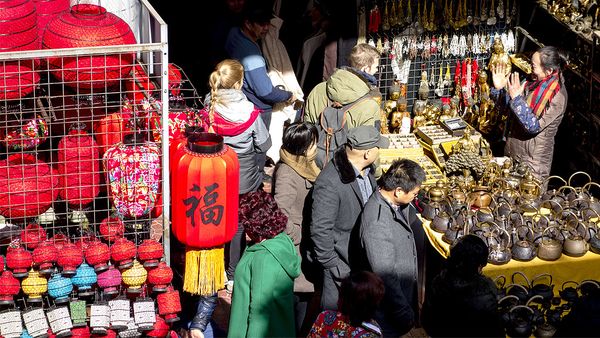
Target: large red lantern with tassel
(33, 235)
(28, 186)
(79, 167)
(9, 288)
(69, 258)
(149, 252)
(205, 207)
(87, 25)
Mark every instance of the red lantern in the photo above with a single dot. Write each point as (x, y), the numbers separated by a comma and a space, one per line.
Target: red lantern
(133, 173)
(69, 258)
(112, 228)
(169, 305)
(47, 10)
(81, 332)
(87, 25)
(1, 263)
(113, 128)
(85, 240)
(97, 255)
(18, 24)
(150, 252)
(27, 186)
(9, 287)
(160, 277)
(160, 329)
(33, 235)
(45, 255)
(18, 260)
(123, 252)
(204, 206)
(79, 168)
(109, 334)
(59, 240)
(18, 80)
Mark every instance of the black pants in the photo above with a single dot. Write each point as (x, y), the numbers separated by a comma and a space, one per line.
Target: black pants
(235, 249)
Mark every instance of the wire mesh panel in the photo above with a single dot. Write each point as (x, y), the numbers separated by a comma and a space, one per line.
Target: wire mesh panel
(83, 153)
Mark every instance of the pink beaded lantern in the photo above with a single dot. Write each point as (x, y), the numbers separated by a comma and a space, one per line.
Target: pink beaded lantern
(150, 252)
(97, 255)
(169, 305)
(33, 235)
(44, 256)
(109, 280)
(69, 258)
(18, 260)
(112, 228)
(123, 252)
(9, 288)
(160, 277)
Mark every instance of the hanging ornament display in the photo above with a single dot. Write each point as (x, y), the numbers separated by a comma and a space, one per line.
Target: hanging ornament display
(204, 207)
(33, 235)
(69, 258)
(100, 317)
(169, 305)
(79, 168)
(123, 252)
(97, 254)
(11, 325)
(84, 278)
(59, 288)
(87, 25)
(109, 280)
(119, 313)
(150, 252)
(78, 313)
(18, 259)
(36, 322)
(160, 328)
(34, 286)
(160, 277)
(9, 288)
(135, 277)
(60, 321)
(133, 174)
(112, 228)
(44, 256)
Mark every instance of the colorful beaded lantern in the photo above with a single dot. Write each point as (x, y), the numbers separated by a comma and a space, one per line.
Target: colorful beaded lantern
(78, 313)
(169, 305)
(34, 286)
(81, 332)
(133, 173)
(84, 278)
(9, 287)
(59, 288)
(87, 25)
(36, 322)
(134, 277)
(97, 255)
(123, 252)
(18, 260)
(150, 252)
(60, 321)
(69, 258)
(109, 280)
(160, 329)
(44, 256)
(112, 228)
(144, 313)
(100, 317)
(33, 235)
(11, 324)
(119, 313)
(160, 277)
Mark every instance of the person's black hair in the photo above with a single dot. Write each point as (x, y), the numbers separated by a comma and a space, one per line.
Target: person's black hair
(467, 255)
(404, 174)
(360, 295)
(551, 58)
(257, 11)
(298, 137)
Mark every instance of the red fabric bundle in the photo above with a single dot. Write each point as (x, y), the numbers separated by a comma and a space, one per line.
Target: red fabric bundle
(28, 186)
(79, 168)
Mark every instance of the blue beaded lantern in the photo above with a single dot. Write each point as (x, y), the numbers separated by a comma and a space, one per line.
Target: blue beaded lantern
(84, 278)
(25, 334)
(59, 288)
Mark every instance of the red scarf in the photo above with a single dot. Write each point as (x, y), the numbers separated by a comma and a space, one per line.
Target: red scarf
(541, 93)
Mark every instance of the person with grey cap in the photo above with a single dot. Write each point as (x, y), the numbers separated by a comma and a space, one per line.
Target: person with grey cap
(393, 245)
(340, 192)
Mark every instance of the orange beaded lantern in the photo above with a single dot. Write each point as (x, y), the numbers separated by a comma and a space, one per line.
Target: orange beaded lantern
(204, 207)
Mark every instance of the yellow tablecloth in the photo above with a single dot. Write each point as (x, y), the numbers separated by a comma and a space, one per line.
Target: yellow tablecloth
(564, 269)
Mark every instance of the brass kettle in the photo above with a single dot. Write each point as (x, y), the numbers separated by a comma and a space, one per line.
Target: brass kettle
(549, 248)
(436, 199)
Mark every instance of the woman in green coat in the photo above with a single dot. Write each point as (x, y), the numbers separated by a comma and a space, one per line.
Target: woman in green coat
(263, 297)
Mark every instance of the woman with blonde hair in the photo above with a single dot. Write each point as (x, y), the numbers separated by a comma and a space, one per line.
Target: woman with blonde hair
(229, 113)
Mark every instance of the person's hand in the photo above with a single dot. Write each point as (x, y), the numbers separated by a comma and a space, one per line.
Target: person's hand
(515, 88)
(498, 78)
(195, 333)
(291, 100)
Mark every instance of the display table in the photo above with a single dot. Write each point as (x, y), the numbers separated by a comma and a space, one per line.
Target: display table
(564, 269)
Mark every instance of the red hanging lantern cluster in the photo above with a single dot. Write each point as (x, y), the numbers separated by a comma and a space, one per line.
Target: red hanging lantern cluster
(123, 252)
(169, 305)
(18, 25)
(112, 228)
(79, 167)
(45, 255)
(87, 25)
(9, 288)
(97, 255)
(18, 260)
(33, 235)
(204, 207)
(160, 277)
(150, 252)
(28, 186)
(69, 258)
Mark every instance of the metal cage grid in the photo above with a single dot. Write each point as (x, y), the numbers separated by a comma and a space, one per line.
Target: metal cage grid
(33, 125)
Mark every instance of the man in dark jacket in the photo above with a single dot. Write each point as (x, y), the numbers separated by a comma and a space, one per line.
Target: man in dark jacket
(340, 192)
(392, 238)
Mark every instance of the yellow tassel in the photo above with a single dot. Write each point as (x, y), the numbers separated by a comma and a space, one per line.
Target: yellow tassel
(204, 271)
